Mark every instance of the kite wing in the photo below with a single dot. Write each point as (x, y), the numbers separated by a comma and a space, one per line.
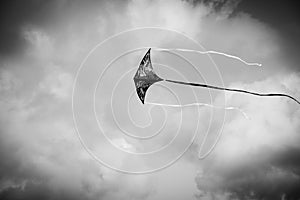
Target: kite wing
(145, 76)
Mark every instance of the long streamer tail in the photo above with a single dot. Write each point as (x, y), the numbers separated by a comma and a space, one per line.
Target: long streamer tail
(235, 90)
(199, 104)
(213, 52)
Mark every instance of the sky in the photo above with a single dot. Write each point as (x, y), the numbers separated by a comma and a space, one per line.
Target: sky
(68, 113)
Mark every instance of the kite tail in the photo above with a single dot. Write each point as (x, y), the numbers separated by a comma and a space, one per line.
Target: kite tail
(214, 52)
(200, 104)
(235, 90)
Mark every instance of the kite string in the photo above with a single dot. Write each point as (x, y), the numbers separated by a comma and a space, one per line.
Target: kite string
(235, 90)
(200, 104)
(213, 52)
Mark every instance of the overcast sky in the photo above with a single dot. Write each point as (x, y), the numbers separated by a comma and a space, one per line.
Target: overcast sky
(42, 46)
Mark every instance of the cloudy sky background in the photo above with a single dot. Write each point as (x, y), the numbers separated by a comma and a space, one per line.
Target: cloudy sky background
(42, 46)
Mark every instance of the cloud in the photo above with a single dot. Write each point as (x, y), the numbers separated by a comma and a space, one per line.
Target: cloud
(43, 44)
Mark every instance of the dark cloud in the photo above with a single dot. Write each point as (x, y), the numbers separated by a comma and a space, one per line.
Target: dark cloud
(37, 191)
(15, 16)
(284, 17)
(274, 177)
(281, 16)
(57, 18)
(275, 13)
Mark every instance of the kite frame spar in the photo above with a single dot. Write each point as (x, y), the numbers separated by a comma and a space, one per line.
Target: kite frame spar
(145, 77)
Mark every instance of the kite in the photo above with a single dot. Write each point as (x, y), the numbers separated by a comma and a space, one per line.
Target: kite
(145, 77)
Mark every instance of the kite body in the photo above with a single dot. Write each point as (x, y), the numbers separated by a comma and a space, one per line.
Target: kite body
(145, 77)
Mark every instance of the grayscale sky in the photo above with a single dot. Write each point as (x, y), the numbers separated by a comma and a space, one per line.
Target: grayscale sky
(42, 45)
